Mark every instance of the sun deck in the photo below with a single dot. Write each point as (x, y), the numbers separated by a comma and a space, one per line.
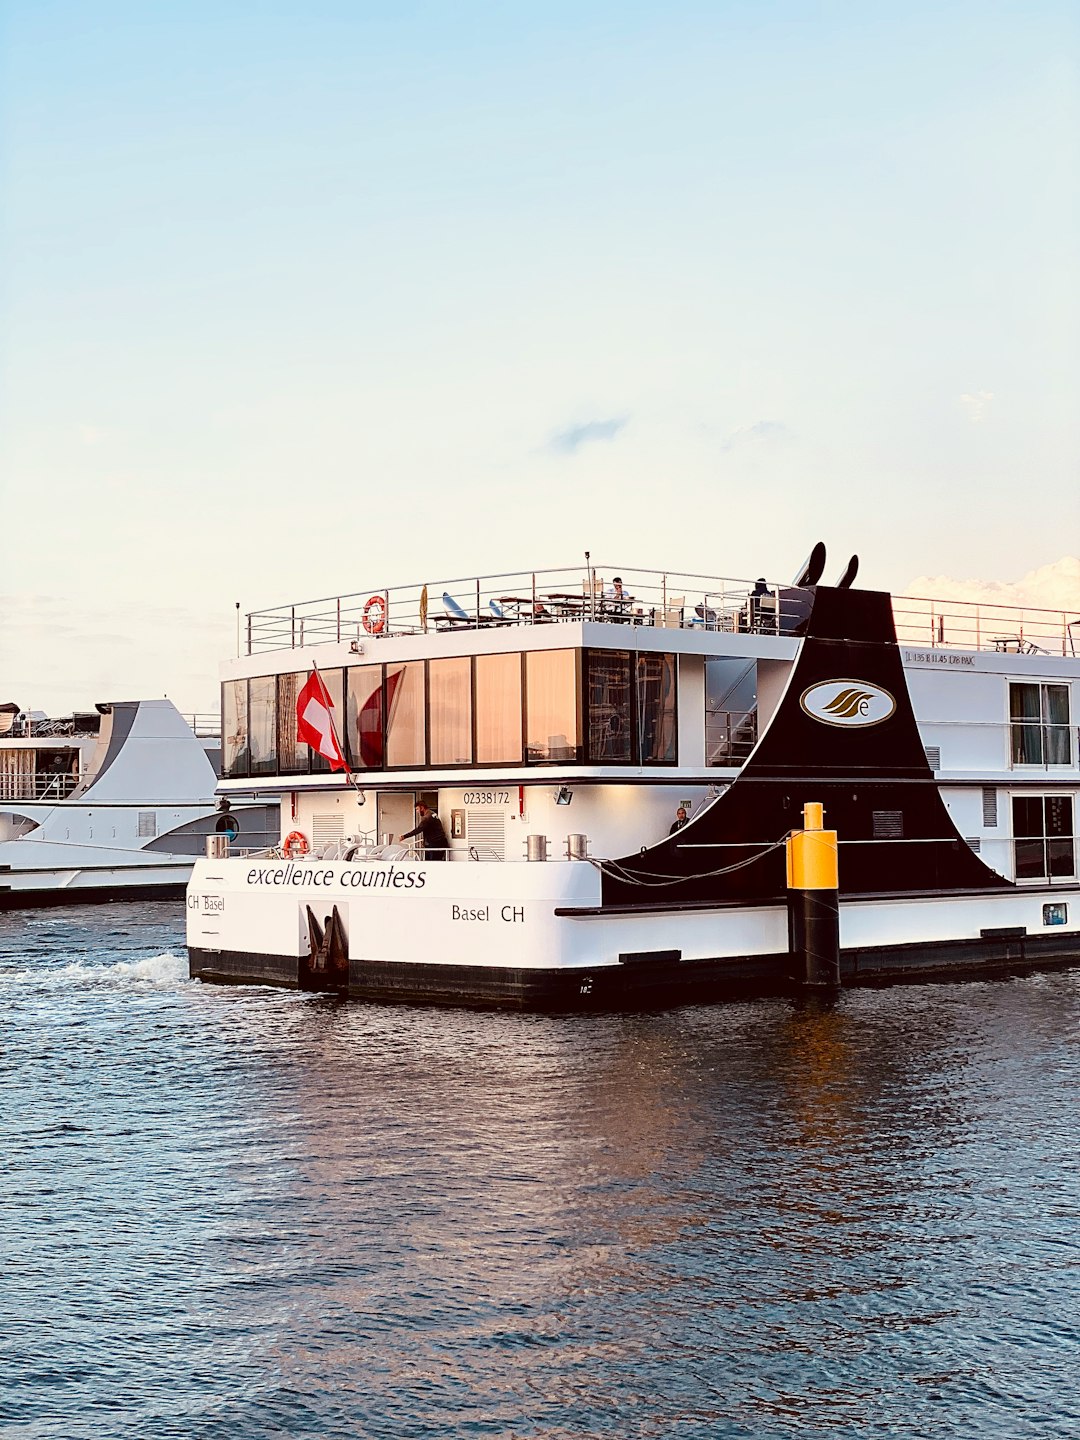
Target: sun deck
(649, 598)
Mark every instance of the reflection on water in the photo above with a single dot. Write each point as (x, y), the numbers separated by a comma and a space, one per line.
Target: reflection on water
(251, 1212)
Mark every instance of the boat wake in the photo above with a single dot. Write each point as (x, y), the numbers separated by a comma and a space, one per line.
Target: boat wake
(158, 971)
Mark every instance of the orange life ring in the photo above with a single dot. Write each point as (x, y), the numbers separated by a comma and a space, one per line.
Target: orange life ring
(375, 615)
(296, 843)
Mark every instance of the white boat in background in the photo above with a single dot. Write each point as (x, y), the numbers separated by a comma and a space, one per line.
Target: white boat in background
(111, 803)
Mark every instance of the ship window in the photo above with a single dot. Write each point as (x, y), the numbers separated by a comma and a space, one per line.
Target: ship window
(450, 711)
(498, 709)
(234, 728)
(404, 701)
(656, 715)
(1039, 721)
(292, 753)
(364, 717)
(1043, 840)
(334, 681)
(551, 705)
(262, 717)
(608, 694)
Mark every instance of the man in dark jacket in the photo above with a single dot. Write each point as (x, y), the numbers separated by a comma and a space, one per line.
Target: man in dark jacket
(436, 845)
(679, 821)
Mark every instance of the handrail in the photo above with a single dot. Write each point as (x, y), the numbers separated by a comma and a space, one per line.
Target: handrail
(654, 598)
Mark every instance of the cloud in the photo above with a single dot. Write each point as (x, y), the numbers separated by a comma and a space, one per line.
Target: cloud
(1051, 587)
(566, 442)
(975, 406)
(765, 432)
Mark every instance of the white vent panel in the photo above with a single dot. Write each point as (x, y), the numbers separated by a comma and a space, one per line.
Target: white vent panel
(933, 756)
(990, 806)
(327, 828)
(147, 824)
(486, 833)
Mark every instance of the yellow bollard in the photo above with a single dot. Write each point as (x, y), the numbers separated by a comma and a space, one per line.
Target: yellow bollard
(813, 901)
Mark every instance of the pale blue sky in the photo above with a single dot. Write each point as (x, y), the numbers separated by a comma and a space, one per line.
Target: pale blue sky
(301, 299)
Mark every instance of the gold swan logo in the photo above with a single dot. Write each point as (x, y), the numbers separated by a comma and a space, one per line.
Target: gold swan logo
(848, 703)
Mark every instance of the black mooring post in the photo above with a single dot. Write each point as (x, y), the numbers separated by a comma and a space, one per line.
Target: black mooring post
(814, 903)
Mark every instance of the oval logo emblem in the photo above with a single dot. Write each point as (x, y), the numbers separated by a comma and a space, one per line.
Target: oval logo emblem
(851, 703)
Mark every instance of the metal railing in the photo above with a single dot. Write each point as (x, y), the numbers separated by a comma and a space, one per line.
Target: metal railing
(730, 735)
(962, 625)
(665, 599)
(36, 787)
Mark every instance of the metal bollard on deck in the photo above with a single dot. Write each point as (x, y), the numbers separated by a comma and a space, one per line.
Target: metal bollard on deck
(813, 902)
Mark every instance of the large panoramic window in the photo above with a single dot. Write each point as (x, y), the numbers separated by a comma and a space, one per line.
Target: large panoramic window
(551, 705)
(1043, 839)
(607, 690)
(292, 753)
(498, 709)
(235, 756)
(657, 733)
(334, 680)
(1039, 722)
(450, 711)
(405, 739)
(364, 717)
(262, 720)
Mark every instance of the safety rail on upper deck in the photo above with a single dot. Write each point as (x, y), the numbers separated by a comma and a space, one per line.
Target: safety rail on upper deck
(664, 599)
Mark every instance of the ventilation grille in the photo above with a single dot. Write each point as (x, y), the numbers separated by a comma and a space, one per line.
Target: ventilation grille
(989, 795)
(147, 824)
(888, 824)
(933, 756)
(486, 833)
(975, 842)
(327, 828)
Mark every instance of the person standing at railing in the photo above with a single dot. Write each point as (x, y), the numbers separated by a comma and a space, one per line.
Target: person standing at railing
(430, 828)
(679, 821)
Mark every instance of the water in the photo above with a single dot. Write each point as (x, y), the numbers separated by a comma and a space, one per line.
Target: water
(247, 1213)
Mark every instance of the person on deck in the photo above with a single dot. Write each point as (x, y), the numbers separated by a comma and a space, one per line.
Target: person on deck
(679, 821)
(430, 828)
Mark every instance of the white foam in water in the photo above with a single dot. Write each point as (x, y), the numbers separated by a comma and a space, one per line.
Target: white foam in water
(155, 970)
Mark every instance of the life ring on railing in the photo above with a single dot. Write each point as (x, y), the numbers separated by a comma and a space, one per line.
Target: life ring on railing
(296, 843)
(375, 615)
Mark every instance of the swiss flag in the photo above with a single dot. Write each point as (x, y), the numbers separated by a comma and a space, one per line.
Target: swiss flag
(315, 724)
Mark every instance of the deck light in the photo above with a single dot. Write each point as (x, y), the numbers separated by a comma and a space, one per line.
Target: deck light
(563, 795)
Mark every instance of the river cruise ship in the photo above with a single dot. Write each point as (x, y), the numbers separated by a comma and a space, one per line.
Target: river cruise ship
(614, 764)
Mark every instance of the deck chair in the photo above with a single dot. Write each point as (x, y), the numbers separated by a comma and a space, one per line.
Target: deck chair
(497, 610)
(455, 614)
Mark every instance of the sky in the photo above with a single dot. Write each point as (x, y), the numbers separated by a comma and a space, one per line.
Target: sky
(301, 300)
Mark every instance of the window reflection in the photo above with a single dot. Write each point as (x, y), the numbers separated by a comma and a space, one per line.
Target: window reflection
(656, 713)
(235, 756)
(262, 720)
(498, 709)
(292, 753)
(405, 740)
(551, 720)
(608, 693)
(364, 717)
(334, 680)
(450, 711)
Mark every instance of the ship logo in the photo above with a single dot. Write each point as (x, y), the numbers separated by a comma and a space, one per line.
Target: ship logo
(853, 704)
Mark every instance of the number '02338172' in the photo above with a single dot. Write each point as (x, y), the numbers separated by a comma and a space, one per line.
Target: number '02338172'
(487, 797)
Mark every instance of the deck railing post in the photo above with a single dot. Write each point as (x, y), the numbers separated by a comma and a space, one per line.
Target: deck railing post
(249, 632)
(339, 619)
(532, 617)
(478, 604)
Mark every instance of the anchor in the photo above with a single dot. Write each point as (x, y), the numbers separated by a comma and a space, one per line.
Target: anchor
(326, 967)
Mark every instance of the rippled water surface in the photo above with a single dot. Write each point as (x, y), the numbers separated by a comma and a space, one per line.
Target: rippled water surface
(247, 1212)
